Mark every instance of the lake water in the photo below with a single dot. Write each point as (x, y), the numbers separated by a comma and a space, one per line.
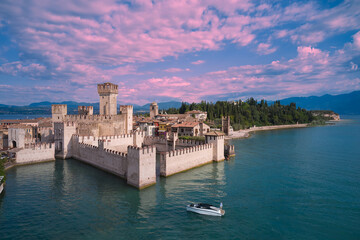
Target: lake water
(285, 184)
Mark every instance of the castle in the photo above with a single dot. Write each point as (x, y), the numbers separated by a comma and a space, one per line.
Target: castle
(108, 142)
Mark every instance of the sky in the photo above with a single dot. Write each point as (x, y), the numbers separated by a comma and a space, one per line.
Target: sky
(182, 50)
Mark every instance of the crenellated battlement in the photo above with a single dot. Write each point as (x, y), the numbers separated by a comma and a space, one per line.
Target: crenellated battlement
(188, 142)
(107, 88)
(186, 158)
(92, 118)
(38, 145)
(229, 150)
(69, 124)
(149, 140)
(134, 151)
(192, 149)
(110, 151)
(85, 110)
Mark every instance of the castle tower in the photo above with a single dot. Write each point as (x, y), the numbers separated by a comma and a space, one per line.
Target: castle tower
(127, 110)
(154, 110)
(217, 139)
(63, 132)
(141, 166)
(225, 127)
(85, 110)
(108, 93)
(58, 112)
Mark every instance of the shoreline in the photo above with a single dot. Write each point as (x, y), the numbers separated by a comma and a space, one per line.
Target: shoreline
(245, 133)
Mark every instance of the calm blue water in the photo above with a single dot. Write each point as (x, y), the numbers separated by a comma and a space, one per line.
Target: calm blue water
(286, 184)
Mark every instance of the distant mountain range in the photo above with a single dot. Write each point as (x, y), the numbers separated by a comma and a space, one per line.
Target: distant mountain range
(72, 107)
(345, 104)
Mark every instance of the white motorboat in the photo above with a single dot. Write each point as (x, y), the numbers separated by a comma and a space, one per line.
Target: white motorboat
(206, 209)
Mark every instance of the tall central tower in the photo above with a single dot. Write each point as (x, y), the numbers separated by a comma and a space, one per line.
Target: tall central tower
(108, 93)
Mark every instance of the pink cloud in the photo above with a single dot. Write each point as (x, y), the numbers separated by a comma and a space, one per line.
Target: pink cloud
(198, 62)
(356, 38)
(265, 48)
(175, 70)
(168, 82)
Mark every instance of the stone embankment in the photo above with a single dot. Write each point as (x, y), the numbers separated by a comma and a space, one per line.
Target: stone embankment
(246, 132)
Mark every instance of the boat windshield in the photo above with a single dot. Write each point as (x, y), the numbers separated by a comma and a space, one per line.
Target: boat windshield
(204, 205)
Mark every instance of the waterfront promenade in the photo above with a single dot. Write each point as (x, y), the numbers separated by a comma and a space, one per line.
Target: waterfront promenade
(246, 132)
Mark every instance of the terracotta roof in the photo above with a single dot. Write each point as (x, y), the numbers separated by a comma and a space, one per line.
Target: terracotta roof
(195, 112)
(14, 121)
(215, 133)
(186, 124)
(172, 115)
(46, 123)
(23, 126)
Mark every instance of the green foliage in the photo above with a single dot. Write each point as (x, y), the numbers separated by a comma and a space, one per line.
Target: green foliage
(245, 114)
(317, 122)
(200, 139)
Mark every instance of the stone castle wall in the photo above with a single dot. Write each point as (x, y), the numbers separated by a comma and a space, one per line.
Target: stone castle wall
(109, 160)
(185, 159)
(141, 170)
(36, 153)
(118, 142)
(137, 166)
(160, 143)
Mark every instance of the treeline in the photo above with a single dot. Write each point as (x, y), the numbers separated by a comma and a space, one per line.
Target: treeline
(244, 114)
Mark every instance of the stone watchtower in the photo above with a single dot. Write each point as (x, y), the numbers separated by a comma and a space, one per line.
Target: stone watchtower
(85, 110)
(217, 139)
(108, 93)
(154, 110)
(127, 110)
(58, 111)
(225, 127)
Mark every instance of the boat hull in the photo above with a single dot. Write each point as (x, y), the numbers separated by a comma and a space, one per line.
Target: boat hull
(209, 212)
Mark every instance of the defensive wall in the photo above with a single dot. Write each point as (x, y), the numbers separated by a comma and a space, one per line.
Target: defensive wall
(141, 171)
(93, 118)
(109, 160)
(229, 150)
(35, 153)
(184, 159)
(137, 166)
(118, 143)
(161, 144)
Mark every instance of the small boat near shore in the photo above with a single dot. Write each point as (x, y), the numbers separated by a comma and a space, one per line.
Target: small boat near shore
(206, 209)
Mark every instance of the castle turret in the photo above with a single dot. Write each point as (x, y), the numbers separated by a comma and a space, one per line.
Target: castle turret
(85, 110)
(154, 110)
(108, 93)
(141, 166)
(127, 110)
(225, 125)
(63, 132)
(217, 139)
(58, 111)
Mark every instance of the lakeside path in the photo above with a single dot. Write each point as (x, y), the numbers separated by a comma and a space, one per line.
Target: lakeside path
(246, 132)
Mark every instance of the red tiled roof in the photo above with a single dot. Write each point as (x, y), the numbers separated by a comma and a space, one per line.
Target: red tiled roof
(186, 124)
(195, 112)
(23, 126)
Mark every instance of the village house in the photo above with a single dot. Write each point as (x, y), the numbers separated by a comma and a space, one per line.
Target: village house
(198, 115)
(3, 138)
(19, 135)
(190, 129)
